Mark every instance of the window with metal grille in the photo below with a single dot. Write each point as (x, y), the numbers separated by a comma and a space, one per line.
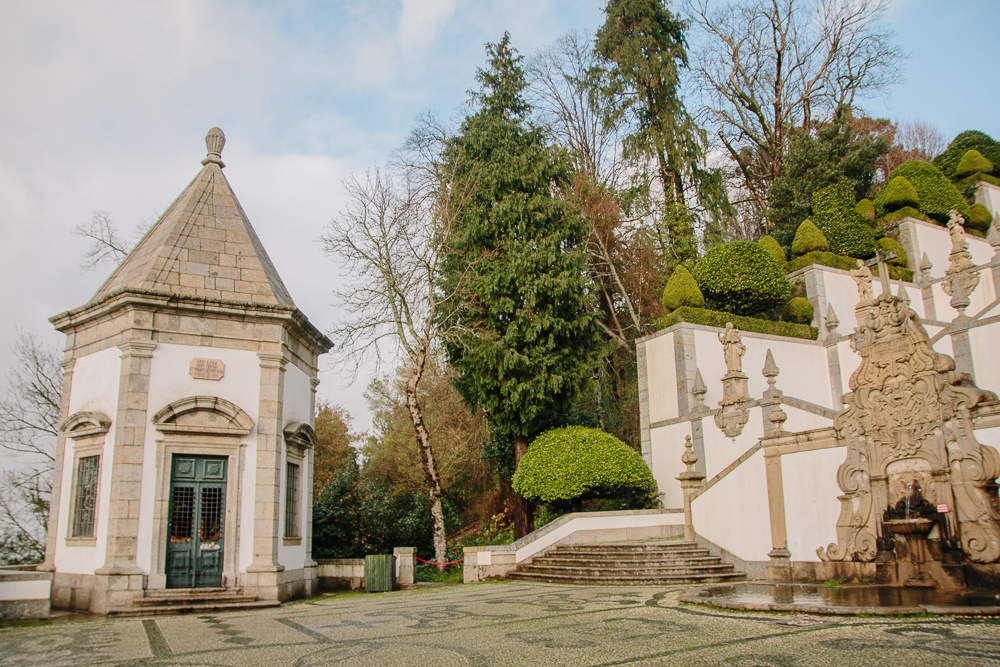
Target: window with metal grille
(182, 514)
(211, 515)
(85, 512)
(292, 500)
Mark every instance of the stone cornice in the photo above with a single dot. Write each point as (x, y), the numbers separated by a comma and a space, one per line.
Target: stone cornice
(289, 316)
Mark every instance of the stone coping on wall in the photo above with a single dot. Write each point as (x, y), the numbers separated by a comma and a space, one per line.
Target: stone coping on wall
(744, 334)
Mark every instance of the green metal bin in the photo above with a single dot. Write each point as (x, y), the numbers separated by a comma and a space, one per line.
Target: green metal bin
(380, 573)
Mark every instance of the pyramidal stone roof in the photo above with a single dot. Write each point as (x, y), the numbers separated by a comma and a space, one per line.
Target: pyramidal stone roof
(202, 246)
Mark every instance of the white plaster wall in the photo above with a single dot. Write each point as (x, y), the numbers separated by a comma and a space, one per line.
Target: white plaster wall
(944, 346)
(849, 362)
(935, 241)
(800, 420)
(734, 513)
(810, 486)
(169, 381)
(295, 408)
(661, 374)
(979, 300)
(989, 436)
(95, 389)
(721, 450)
(803, 365)
(842, 293)
(37, 589)
(667, 443)
(986, 355)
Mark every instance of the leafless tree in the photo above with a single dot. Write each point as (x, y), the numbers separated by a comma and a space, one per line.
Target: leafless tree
(767, 66)
(29, 423)
(391, 241)
(107, 246)
(921, 139)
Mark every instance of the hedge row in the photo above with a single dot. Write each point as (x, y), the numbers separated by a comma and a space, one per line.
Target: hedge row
(714, 318)
(844, 263)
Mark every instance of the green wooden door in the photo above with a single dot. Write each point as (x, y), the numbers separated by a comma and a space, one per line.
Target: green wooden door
(197, 521)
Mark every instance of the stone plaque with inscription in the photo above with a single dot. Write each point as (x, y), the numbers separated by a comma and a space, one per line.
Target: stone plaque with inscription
(207, 369)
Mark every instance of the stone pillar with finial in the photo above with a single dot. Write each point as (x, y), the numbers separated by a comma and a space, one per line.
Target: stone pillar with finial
(691, 480)
(833, 355)
(926, 283)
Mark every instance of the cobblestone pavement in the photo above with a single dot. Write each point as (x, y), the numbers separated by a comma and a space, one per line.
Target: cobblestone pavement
(485, 625)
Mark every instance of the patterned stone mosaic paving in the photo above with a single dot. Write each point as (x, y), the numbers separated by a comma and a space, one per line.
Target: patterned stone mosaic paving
(487, 625)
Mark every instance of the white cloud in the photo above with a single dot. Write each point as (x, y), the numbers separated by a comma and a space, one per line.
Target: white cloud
(419, 21)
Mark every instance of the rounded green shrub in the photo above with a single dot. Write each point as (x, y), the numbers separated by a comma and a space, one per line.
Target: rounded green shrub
(937, 194)
(798, 310)
(979, 218)
(866, 209)
(905, 212)
(971, 163)
(580, 462)
(742, 278)
(888, 245)
(899, 194)
(682, 290)
(774, 249)
(847, 232)
(808, 238)
(948, 161)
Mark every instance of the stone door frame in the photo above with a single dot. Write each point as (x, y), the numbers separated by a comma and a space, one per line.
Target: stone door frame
(181, 433)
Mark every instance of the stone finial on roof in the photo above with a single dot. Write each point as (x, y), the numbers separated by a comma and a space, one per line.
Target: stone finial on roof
(832, 321)
(214, 141)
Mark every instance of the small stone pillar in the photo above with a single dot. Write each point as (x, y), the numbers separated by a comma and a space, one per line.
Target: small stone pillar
(406, 566)
(690, 481)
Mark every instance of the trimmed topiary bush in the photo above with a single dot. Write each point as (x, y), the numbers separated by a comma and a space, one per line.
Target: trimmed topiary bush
(843, 263)
(900, 193)
(774, 249)
(741, 277)
(937, 194)
(888, 245)
(948, 161)
(847, 232)
(799, 310)
(808, 238)
(682, 290)
(713, 318)
(979, 218)
(905, 212)
(971, 163)
(866, 209)
(580, 462)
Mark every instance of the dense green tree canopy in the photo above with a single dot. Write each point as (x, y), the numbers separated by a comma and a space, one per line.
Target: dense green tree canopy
(528, 335)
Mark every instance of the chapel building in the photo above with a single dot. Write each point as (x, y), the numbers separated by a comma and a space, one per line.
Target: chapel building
(185, 455)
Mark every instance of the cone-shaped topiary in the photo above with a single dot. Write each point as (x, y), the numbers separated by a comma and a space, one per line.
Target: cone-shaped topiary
(845, 230)
(808, 238)
(682, 290)
(742, 278)
(888, 245)
(979, 218)
(579, 462)
(937, 194)
(866, 208)
(900, 193)
(973, 162)
(774, 248)
(799, 310)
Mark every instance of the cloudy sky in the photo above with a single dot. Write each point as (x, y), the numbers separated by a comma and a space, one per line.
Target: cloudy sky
(104, 107)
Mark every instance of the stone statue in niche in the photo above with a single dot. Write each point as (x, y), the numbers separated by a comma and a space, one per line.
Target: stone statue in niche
(863, 277)
(733, 349)
(907, 422)
(734, 414)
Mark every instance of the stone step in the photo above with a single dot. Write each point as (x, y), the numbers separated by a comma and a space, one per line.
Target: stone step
(202, 607)
(638, 572)
(625, 581)
(191, 592)
(635, 556)
(163, 600)
(582, 561)
(651, 545)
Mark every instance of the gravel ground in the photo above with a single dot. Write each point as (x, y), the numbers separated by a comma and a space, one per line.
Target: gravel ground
(494, 624)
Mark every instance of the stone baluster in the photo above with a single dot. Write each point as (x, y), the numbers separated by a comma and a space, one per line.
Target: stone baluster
(691, 480)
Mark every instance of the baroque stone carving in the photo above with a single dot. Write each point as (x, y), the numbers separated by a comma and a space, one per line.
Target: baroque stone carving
(907, 420)
(734, 413)
(863, 277)
(961, 266)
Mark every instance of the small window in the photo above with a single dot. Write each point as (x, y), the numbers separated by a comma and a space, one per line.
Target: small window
(292, 500)
(85, 512)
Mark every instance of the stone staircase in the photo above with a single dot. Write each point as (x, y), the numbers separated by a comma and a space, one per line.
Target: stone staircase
(636, 563)
(191, 601)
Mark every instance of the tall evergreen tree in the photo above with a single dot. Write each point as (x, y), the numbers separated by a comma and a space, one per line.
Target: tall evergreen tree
(528, 336)
(643, 48)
